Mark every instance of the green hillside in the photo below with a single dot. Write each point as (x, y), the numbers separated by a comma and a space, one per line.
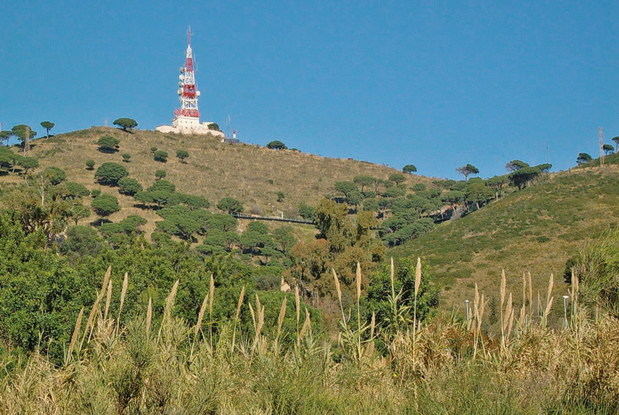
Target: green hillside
(534, 230)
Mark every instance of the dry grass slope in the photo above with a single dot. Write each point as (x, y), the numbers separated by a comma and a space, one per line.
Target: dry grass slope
(250, 173)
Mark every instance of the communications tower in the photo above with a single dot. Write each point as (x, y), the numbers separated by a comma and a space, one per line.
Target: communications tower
(187, 117)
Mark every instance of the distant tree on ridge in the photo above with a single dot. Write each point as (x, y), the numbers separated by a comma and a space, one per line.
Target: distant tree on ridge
(467, 170)
(126, 123)
(48, 125)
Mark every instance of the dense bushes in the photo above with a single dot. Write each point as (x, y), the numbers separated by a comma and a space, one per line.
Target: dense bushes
(41, 291)
(82, 240)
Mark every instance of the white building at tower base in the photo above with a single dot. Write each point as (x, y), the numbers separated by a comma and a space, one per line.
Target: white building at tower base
(189, 126)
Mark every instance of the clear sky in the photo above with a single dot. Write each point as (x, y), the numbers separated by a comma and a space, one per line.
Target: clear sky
(432, 83)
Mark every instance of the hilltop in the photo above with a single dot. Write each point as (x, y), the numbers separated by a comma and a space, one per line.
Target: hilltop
(266, 181)
(536, 230)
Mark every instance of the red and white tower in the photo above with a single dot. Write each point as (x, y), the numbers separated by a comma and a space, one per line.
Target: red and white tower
(187, 117)
(188, 92)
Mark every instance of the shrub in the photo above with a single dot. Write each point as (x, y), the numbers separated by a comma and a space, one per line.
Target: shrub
(213, 126)
(162, 186)
(126, 157)
(371, 205)
(160, 174)
(158, 198)
(276, 145)
(153, 149)
(95, 192)
(397, 178)
(418, 187)
(280, 196)
(409, 168)
(129, 186)
(307, 212)
(230, 205)
(110, 173)
(105, 204)
(90, 164)
(82, 240)
(129, 225)
(182, 155)
(27, 163)
(161, 156)
(394, 191)
(75, 190)
(108, 144)
(182, 221)
(379, 295)
(520, 176)
(54, 175)
(349, 190)
(193, 201)
(364, 181)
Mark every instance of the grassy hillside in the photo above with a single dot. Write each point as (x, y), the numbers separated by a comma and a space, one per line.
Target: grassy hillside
(250, 173)
(535, 230)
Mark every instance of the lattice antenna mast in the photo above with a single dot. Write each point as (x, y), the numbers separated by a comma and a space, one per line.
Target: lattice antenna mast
(601, 144)
(188, 92)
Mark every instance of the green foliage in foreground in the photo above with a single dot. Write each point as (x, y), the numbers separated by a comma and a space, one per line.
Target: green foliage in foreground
(159, 363)
(41, 291)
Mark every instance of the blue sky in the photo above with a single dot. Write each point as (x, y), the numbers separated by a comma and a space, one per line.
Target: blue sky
(437, 84)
